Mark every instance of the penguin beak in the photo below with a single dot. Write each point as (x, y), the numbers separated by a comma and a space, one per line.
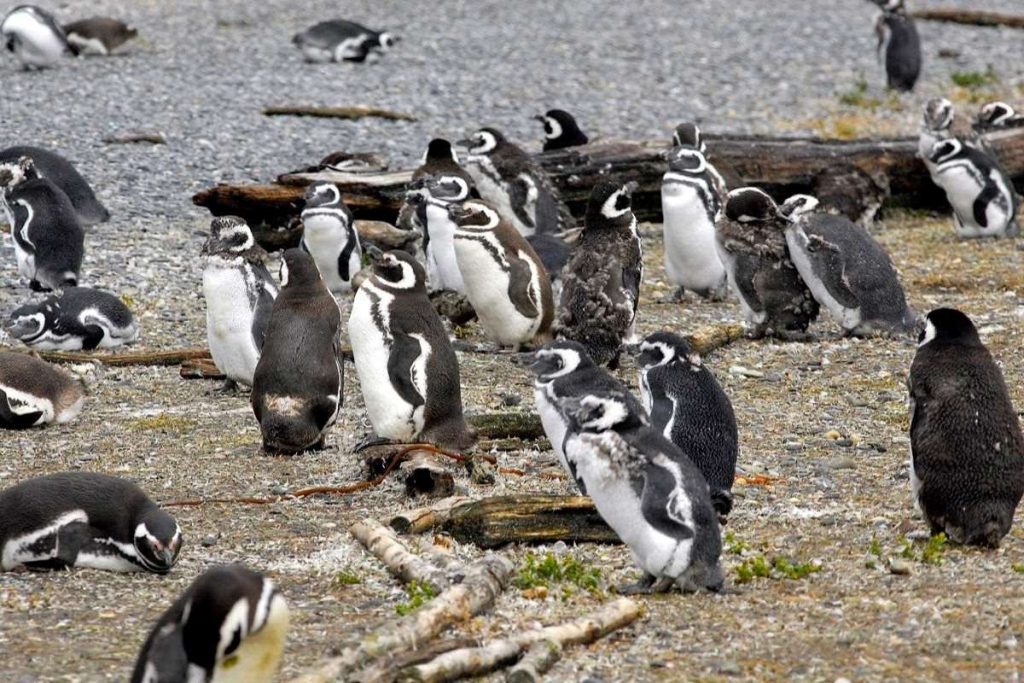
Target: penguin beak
(168, 556)
(631, 349)
(539, 117)
(21, 328)
(374, 252)
(524, 358)
(465, 142)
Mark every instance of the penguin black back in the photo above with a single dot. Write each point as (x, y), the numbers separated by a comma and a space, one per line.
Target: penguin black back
(64, 175)
(899, 45)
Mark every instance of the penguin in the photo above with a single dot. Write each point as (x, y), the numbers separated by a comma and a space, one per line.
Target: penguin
(983, 198)
(563, 372)
(554, 253)
(98, 35)
(49, 243)
(80, 318)
(688, 136)
(649, 493)
(561, 130)
(898, 44)
(34, 36)
(439, 160)
(34, 393)
(688, 406)
(504, 278)
(430, 198)
(966, 448)
(229, 626)
(60, 172)
(847, 271)
(296, 390)
(85, 519)
(997, 116)
(690, 207)
(936, 125)
(507, 177)
(329, 236)
(407, 368)
(343, 41)
(239, 293)
(774, 299)
(601, 285)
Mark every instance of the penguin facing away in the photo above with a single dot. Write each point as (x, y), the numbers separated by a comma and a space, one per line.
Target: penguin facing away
(34, 392)
(561, 130)
(98, 35)
(966, 448)
(342, 41)
(34, 36)
(229, 626)
(329, 236)
(60, 172)
(898, 45)
(80, 318)
(984, 201)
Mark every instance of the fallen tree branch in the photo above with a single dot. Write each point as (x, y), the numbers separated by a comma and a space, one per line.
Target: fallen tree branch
(425, 475)
(968, 16)
(382, 543)
(200, 368)
(536, 662)
(338, 112)
(171, 357)
(421, 520)
(494, 522)
(135, 138)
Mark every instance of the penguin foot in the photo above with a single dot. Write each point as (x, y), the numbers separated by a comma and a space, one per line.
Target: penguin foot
(37, 286)
(648, 584)
(230, 386)
(370, 441)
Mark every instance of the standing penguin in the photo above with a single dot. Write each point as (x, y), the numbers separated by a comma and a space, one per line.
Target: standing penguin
(505, 279)
(229, 626)
(983, 198)
(688, 406)
(601, 286)
(239, 293)
(34, 36)
(329, 236)
(936, 125)
(966, 448)
(688, 136)
(98, 35)
(342, 41)
(60, 172)
(774, 299)
(84, 519)
(33, 392)
(561, 130)
(80, 318)
(649, 493)
(430, 198)
(296, 389)
(407, 368)
(898, 44)
(554, 253)
(439, 160)
(847, 271)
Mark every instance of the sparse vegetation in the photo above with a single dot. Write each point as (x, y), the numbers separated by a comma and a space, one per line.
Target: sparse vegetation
(419, 594)
(346, 577)
(733, 545)
(777, 568)
(538, 572)
(973, 80)
(857, 96)
(929, 552)
(1018, 567)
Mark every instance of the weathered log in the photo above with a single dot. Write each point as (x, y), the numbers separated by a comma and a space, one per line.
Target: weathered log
(135, 138)
(200, 368)
(382, 543)
(523, 426)
(968, 16)
(385, 669)
(536, 662)
(170, 357)
(494, 522)
(385, 235)
(425, 475)
(421, 520)
(337, 112)
(709, 338)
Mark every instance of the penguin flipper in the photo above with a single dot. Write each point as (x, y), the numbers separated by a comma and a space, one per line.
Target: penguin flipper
(351, 244)
(833, 265)
(745, 279)
(523, 195)
(519, 291)
(981, 202)
(261, 316)
(12, 418)
(405, 351)
(660, 505)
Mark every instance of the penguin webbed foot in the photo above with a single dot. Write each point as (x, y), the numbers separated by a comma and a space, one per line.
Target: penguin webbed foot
(648, 584)
(370, 441)
(230, 386)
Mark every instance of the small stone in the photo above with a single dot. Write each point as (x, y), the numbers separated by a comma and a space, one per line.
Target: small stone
(536, 593)
(899, 566)
(481, 472)
(845, 443)
(208, 541)
(510, 400)
(841, 464)
(730, 667)
(745, 372)
(279, 490)
(1009, 641)
(793, 446)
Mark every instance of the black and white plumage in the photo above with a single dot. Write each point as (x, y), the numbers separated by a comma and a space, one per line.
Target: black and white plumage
(239, 292)
(774, 299)
(33, 392)
(936, 125)
(429, 198)
(342, 41)
(997, 116)
(229, 626)
(561, 130)
(688, 136)
(601, 282)
(506, 176)
(79, 318)
(649, 493)
(329, 236)
(98, 35)
(84, 519)
(966, 448)
(408, 371)
(60, 172)
(34, 36)
(296, 389)
(554, 253)
(847, 271)
(898, 45)
(439, 160)
(689, 407)
(983, 198)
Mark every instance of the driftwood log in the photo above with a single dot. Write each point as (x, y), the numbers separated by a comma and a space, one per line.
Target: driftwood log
(171, 357)
(498, 521)
(337, 112)
(424, 519)
(969, 16)
(382, 543)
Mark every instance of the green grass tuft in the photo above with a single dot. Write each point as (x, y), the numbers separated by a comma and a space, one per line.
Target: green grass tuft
(419, 594)
(778, 568)
(549, 569)
(346, 578)
(972, 80)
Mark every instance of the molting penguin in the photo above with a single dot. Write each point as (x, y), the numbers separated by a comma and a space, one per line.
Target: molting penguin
(33, 392)
(84, 519)
(601, 284)
(649, 493)
(239, 293)
(60, 172)
(342, 41)
(407, 369)
(329, 236)
(966, 448)
(98, 35)
(296, 390)
(505, 280)
(561, 130)
(34, 36)
(983, 198)
(80, 318)
(430, 198)
(936, 125)
(898, 44)
(229, 626)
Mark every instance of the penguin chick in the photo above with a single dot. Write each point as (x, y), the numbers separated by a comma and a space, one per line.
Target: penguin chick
(983, 198)
(80, 318)
(343, 41)
(898, 45)
(34, 36)
(60, 172)
(33, 392)
(561, 130)
(329, 236)
(966, 448)
(98, 35)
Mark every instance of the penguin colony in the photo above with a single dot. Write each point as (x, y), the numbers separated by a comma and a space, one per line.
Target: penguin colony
(493, 227)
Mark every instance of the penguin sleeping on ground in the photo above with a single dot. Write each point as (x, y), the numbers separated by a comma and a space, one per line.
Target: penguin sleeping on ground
(80, 318)
(60, 172)
(33, 392)
(34, 36)
(98, 35)
(984, 200)
(342, 41)
(561, 130)
(329, 236)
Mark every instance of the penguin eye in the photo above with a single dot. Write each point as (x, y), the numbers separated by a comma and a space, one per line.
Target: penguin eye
(559, 363)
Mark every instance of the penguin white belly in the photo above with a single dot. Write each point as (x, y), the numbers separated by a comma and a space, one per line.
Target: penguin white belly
(23, 403)
(37, 44)
(313, 53)
(495, 192)
(848, 318)
(961, 190)
(487, 286)
(324, 238)
(442, 266)
(554, 425)
(229, 323)
(87, 46)
(32, 546)
(691, 258)
(26, 261)
(258, 656)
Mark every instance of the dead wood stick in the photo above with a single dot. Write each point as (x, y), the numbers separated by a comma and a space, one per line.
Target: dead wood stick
(523, 426)
(383, 544)
(135, 138)
(387, 668)
(970, 17)
(709, 338)
(170, 357)
(200, 368)
(536, 662)
(424, 474)
(424, 519)
(477, 661)
(337, 112)
(494, 522)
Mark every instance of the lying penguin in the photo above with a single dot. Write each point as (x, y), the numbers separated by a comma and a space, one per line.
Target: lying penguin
(79, 318)
(33, 392)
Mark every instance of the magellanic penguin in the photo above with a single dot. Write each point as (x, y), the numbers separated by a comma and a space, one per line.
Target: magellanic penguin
(439, 160)
(554, 253)
(847, 271)
(430, 198)
(983, 198)
(688, 406)
(690, 207)
(774, 299)
(898, 45)
(936, 125)
(329, 236)
(601, 284)
(60, 172)
(688, 136)
(33, 392)
(408, 371)
(84, 519)
(229, 626)
(296, 390)
(49, 243)
(80, 318)
(649, 493)
(507, 177)
(343, 41)
(997, 116)
(34, 36)
(239, 292)
(966, 448)
(561, 130)
(98, 35)
(565, 372)
(505, 280)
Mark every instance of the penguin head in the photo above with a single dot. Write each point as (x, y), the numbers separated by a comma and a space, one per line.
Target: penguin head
(685, 161)
(386, 41)
(298, 269)
(558, 122)
(946, 150)
(603, 413)
(661, 348)
(610, 204)
(448, 188)
(474, 216)
(688, 134)
(558, 359)
(892, 6)
(938, 114)
(798, 205)
(322, 194)
(439, 149)
(397, 270)
(484, 141)
(229, 235)
(994, 115)
(157, 540)
(27, 323)
(948, 326)
(750, 205)
(14, 173)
